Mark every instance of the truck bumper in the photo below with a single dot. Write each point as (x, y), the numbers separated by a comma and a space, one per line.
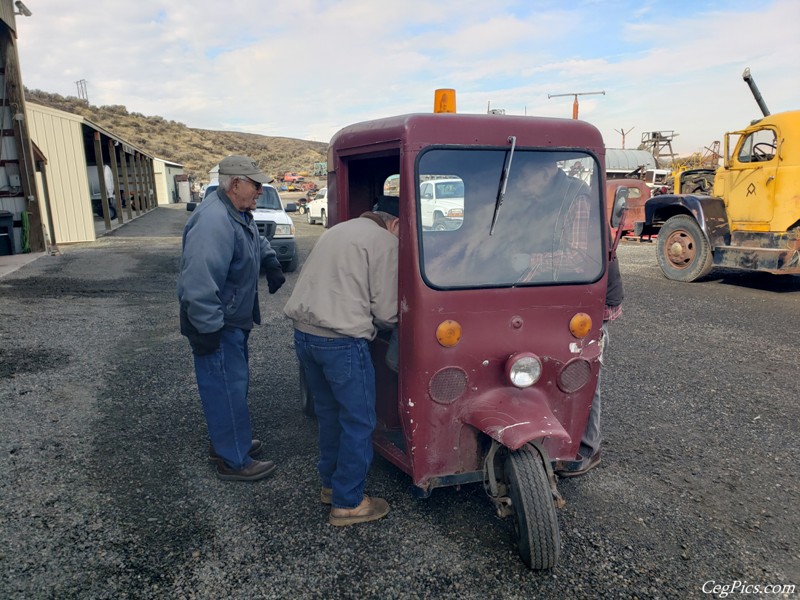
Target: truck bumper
(284, 248)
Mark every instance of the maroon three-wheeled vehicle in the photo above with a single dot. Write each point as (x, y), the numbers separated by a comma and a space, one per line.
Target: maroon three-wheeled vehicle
(500, 312)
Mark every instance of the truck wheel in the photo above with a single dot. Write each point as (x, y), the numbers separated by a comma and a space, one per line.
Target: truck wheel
(683, 252)
(535, 521)
(291, 266)
(310, 218)
(325, 219)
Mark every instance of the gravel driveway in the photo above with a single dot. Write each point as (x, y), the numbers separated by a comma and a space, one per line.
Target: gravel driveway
(107, 492)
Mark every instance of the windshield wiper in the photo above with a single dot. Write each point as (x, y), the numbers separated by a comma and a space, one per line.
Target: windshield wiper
(501, 189)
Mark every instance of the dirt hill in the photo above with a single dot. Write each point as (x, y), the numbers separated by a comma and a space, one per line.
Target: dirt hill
(198, 150)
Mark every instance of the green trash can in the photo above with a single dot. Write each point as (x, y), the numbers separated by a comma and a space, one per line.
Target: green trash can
(6, 233)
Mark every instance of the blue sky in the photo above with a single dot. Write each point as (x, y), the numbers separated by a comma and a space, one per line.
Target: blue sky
(306, 68)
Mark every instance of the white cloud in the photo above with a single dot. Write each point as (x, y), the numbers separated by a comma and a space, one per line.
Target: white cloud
(305, 68)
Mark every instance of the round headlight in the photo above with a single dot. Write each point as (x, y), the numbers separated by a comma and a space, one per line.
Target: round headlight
(524, 370)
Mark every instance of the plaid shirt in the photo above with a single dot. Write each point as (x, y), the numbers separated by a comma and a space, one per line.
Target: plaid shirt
(573, 246)
(612, 312)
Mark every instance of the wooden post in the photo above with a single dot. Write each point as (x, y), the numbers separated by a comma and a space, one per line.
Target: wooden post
(134, 175)
(112, 155)
(98, 157)
(126, 184)
(151, 165)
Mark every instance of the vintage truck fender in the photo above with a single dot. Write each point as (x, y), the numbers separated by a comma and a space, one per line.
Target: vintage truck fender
(708, 211)
(513, 421)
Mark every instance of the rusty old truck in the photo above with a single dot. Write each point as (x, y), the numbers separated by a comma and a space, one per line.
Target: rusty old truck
(751, 220)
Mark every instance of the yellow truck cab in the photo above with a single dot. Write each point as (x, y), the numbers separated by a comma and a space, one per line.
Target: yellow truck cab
(752, 220)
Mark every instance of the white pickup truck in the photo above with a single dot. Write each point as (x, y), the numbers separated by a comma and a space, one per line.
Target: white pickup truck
(317, 209)
(441, 204)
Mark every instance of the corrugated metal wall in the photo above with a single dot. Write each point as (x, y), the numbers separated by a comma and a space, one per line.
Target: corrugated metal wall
(165, 180)
(7, 14)
(60, 137)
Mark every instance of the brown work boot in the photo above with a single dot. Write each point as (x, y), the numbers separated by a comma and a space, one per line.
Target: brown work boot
(326, 496)
(370, 509)
(580, 466)
(256, 470)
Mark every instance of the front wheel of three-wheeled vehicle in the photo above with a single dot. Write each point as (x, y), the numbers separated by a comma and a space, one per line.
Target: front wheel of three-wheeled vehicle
(534, 511)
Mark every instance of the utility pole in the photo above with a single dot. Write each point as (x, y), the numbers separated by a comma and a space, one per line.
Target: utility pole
(575, 103)
(82, 93)
(623, 133)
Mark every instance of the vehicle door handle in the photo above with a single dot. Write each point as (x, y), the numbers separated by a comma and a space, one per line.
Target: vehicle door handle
(770, 178)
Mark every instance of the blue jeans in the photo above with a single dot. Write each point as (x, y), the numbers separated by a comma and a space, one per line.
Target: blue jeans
(223, 379)
(590, 442)
(341, 378)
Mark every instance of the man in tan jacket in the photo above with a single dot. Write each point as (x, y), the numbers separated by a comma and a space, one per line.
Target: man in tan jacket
(346, 291)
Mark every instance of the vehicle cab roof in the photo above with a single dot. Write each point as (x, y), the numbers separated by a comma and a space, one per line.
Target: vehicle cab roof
(415, 131)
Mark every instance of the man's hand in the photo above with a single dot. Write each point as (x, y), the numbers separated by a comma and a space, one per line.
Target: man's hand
(275, 279)
(204, 344)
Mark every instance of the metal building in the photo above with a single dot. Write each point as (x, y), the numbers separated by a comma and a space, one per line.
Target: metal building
(84, 160)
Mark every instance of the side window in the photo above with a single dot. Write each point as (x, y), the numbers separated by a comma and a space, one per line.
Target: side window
(758, 146)
(426, 192)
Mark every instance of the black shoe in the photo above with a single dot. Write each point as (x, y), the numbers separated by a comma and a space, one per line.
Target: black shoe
(255, 448)
(580, 466)
(256, 470)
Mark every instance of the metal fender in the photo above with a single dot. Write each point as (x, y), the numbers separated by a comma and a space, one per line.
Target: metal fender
(513, 420)
(708, 211)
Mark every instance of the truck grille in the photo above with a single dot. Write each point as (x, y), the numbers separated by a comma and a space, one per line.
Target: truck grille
(266, 229)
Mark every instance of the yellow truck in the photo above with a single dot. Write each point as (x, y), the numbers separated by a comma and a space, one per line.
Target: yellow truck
(752, 218)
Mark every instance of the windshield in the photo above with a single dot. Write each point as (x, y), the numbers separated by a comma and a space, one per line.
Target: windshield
(269, 199)
(548, 229)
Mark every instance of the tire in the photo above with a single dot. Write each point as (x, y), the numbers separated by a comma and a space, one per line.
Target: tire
(291, 266)
(309, 218)
(439, 225)
(301, 210)
(535, 522)
(324, 219)
(306, 399)
(683, 251)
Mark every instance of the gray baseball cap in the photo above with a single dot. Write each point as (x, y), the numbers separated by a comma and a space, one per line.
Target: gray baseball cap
(243, 165)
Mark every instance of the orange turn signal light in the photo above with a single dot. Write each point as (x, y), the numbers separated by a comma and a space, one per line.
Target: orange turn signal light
(580, 325)
(448, 333)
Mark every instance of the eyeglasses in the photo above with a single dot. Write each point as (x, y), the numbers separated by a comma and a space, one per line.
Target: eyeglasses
(256, 184)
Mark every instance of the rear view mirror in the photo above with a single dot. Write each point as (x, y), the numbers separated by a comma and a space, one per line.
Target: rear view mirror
(620, 206)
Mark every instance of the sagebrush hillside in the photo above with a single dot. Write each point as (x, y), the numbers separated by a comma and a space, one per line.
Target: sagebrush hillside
(198, 150)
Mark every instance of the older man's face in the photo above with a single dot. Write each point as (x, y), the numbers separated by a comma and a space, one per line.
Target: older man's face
(243, 193)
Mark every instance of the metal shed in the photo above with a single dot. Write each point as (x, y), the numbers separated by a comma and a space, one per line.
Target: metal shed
(74, 147)
(166, 183)
(620, 161)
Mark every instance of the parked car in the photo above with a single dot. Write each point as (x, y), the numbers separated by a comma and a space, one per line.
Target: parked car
(442, 204)
(275, 225)
(317, 209)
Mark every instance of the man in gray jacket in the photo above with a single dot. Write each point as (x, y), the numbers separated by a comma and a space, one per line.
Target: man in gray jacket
(346, 290)
(218, 294)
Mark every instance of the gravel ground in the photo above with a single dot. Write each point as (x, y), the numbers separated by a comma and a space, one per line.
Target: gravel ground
(107, 492)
